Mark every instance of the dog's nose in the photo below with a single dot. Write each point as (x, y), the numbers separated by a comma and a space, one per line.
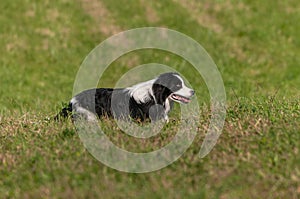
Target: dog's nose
(192, 92)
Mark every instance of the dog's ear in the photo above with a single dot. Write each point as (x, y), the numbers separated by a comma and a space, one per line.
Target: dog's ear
(157, 87)
(160, 92)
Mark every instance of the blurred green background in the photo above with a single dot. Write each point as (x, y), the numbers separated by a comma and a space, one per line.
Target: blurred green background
(256, 46)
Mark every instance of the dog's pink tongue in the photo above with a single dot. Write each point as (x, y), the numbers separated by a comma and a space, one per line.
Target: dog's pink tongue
(186, 100)
(183, 99)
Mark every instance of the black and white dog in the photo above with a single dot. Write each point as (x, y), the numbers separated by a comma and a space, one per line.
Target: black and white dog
(152, 99)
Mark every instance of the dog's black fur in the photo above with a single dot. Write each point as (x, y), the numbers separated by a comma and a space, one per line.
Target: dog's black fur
(152, 99)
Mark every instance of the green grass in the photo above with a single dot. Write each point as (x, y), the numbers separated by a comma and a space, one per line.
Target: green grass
(256, 47)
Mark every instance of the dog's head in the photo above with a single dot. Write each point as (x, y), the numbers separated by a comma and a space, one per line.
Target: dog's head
(171, 85)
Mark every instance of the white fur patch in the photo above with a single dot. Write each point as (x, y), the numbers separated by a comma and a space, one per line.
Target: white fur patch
(88, 115)
(142, 92)
(82, 112)
(167, 110)
(74, 101)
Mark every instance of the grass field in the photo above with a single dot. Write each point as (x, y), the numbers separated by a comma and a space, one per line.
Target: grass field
(256, 46)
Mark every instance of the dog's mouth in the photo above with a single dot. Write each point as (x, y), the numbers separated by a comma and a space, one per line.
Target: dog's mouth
(180, 98)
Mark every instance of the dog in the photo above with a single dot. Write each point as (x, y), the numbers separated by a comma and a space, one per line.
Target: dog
(152, 100)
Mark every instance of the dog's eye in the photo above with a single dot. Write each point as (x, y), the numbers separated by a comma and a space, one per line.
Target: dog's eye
(178, 85)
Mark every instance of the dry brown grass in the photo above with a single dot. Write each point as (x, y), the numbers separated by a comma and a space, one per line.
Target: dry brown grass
(103, 19)
(151, 14)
